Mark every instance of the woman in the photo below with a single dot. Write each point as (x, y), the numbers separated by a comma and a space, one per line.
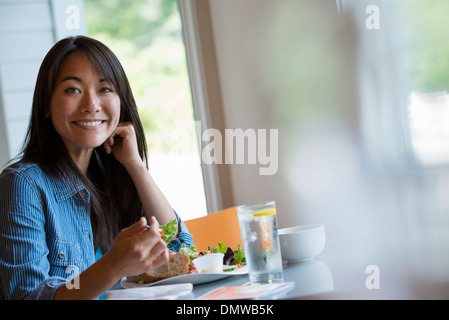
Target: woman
(82, 187)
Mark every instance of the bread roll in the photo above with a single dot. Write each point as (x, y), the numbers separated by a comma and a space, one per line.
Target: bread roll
(178, 264)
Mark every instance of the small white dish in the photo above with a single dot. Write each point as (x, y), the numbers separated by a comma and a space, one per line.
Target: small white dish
(209, 263)
(303, 242)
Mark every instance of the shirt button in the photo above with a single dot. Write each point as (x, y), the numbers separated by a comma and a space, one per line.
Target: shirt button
(61, 255)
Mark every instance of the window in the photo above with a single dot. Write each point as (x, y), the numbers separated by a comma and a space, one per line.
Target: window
(427, 66)
(426, 26)
(402, 78)
(146, 35)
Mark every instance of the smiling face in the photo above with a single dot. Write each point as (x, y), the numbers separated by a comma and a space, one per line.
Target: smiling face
(84, 107)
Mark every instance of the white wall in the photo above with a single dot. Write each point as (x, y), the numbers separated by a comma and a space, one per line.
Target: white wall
(28, 29)
(275, 74)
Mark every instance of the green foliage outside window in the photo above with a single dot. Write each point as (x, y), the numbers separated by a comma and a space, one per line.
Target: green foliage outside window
(426, 27)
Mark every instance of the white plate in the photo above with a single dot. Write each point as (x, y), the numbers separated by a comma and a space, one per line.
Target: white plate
(193, 278)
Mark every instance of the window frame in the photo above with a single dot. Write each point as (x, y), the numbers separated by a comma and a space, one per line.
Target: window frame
(206, 94)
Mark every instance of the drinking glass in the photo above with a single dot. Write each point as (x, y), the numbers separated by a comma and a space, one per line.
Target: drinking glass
(258, 226)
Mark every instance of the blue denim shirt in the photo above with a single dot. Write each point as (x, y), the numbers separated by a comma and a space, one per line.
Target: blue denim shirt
(45, 233)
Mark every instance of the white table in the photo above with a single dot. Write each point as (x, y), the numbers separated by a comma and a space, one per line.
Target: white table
(347, 270)
(310, 278)
(350, 270)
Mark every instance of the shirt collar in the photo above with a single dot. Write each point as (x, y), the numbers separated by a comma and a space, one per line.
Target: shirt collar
(65, 188)
(70, 185)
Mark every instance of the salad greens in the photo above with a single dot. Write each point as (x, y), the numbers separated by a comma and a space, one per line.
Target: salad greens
(170, 229)
(239, 256)
(230, 257)
(191, 252)
(220, 249)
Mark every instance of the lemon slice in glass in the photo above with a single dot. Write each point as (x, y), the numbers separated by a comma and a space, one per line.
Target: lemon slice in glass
(268, 212)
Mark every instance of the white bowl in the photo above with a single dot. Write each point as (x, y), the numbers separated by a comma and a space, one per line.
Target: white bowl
(302, 242)
(209, 263)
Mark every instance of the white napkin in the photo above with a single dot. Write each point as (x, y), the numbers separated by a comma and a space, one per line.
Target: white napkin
(165, 292)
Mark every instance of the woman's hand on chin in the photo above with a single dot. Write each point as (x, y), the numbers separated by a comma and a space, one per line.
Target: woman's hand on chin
(122, 143)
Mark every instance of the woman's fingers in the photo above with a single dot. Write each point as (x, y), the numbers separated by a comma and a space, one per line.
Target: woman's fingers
(109, 143)
(154, 224)
(151, 235)
(136, 227)
(123, 144)
(123, 130)
(151, 242)
(107, 146)
(160, 258)
(138, 248)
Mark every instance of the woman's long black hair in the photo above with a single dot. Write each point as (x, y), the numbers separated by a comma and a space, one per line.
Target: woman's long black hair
(114, 202)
